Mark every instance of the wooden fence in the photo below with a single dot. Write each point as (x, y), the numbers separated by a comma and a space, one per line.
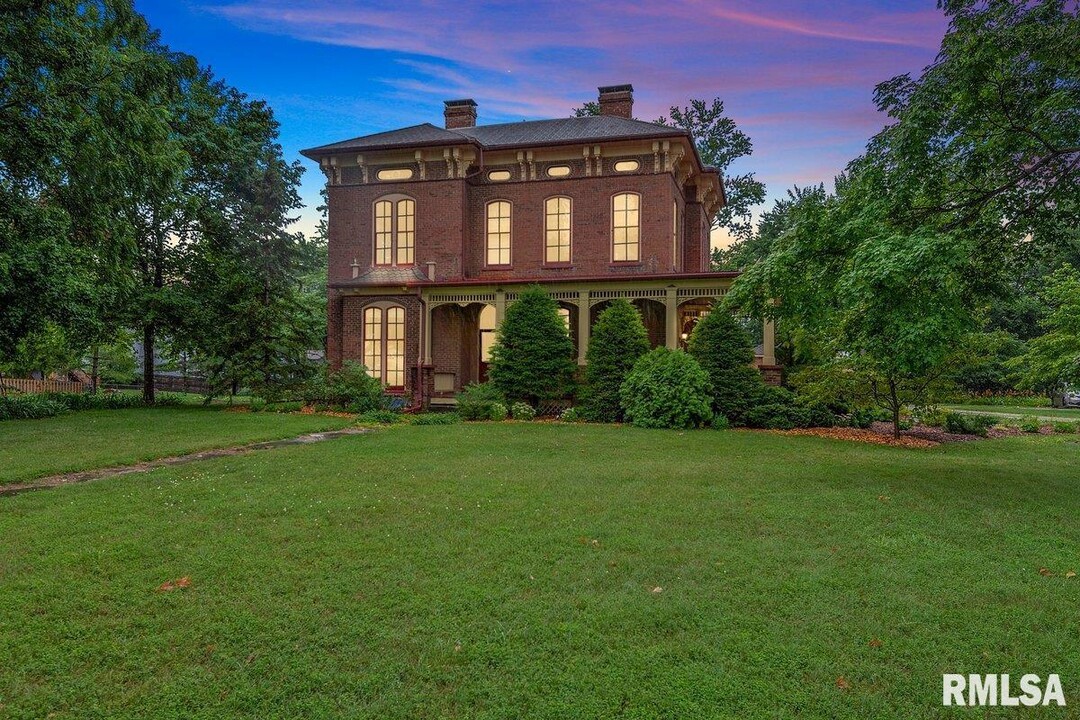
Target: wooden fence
(43, 386)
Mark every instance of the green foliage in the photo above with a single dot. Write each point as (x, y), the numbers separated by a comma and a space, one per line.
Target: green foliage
(1052, 361)
(284, 407)
(522, 411)
(29, 407)
(779, 417)
(380, 417)
(667, 389)
(571, 414)
(930, 416)
(475, 402)
(46, 350)
(532, 359)
(1065, 427)
(497, 412)
(719, 422)
(969, 423)
(349, 387)
(725, 351)
(1030, 425)
(618, 338)
(440, 418)
(987, 364)
(862, 418)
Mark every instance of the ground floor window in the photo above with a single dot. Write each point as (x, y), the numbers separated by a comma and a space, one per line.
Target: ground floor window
(384, 344)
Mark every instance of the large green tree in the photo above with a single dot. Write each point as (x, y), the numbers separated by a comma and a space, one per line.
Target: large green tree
(618, 339)
(1052, 360)
(532, 359)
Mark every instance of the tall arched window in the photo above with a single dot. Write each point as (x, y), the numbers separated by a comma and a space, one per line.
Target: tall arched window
(395, 231)
(384, 344)
(498, 233)
(557, 230)
(625, 227)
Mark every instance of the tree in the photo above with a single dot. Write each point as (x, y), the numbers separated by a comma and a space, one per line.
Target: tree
(532, 358)
(618, 339)
(774, 222)
(725, 351)
(720, 143)
(1052, 361)
(666, 389)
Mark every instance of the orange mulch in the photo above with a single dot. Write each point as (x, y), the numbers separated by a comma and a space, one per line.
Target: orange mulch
(865, 436)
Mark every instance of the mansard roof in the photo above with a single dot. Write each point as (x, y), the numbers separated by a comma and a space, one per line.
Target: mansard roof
(529, 133)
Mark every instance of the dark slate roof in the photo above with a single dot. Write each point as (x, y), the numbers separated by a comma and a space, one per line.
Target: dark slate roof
(594, 128)
(566, 130)
(417, 135)
(387, 276)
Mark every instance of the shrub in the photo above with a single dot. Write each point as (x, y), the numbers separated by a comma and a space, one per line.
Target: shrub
(1030, 425)
(1064, 427)
(618, 339)
(969, 423)
(476, 400)
(862, 418)
(719, 422)
(931, 416)
(571, 414)
(257, 404)
(435, 419)
(820, 415)
(379, 417)
(284, 407)
(29, 407)
(532, 359)
(349, 387)
(778, 417)
(497, 412)
(667, 389)
(522, 411)
(726, 352)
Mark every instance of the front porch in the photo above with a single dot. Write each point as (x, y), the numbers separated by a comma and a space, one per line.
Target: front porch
(459, 323)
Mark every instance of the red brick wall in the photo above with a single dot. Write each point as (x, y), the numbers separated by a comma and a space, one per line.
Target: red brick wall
(345, 328)
(448, 210)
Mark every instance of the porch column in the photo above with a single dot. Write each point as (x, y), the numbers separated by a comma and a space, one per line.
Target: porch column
(671, 318)
(583, 326)
(500, 307)
(768, 350)
(427, 332)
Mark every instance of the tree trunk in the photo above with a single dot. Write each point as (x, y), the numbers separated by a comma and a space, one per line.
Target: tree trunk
(896, 422)
(148, 364)
(94, 363)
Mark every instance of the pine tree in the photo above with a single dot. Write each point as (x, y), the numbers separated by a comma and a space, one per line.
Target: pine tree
(618, 339)
(532, 359)
(725, 351)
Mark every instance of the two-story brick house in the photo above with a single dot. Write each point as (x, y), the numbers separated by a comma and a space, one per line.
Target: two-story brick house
(433, 231)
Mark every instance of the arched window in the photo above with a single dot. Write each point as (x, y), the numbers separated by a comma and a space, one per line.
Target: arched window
(557, 230)
(498, 232)
(384, 344)
(625, 227)
(395, 230)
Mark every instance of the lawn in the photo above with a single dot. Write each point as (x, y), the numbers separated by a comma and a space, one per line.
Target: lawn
(100, 438)
(1017, 410)
(545, 571)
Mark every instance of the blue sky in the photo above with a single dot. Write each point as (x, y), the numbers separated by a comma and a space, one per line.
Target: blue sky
(798, 77)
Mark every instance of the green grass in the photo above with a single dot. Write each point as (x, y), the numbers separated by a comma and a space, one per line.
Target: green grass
(1017, 410)
(507, 571)
(100, 438)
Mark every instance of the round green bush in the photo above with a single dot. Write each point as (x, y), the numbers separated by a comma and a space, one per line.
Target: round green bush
(476, 400)
(618, 339)
(497, 412)
(667, 389)
(522, 411)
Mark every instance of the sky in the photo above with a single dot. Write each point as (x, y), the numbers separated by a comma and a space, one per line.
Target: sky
(797, 77)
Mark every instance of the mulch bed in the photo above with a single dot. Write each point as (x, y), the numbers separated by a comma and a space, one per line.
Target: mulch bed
(881, 433)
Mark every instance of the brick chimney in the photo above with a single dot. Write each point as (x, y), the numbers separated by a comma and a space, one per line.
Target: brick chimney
(460, 113)
(617, 100)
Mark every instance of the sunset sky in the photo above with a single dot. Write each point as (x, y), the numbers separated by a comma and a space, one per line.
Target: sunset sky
(798, 77)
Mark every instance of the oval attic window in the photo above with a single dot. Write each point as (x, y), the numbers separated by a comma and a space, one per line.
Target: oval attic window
(558, 171)
(394, 174)
(627, 166)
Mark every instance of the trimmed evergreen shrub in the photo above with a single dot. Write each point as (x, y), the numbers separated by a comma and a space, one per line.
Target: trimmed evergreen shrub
(476, 400)
(667, 389)
(522, 411)
(618, 339)
(726, 352)
(348, 387)
(532, 359)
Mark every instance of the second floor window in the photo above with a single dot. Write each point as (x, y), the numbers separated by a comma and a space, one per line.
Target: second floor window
(625, 227)
(557, 230)
(395, 231)
(498, 232)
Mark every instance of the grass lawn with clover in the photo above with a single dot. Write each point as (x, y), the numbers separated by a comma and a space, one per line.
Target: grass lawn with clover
(545, 571)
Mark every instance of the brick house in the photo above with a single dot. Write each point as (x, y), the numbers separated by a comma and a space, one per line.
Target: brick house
(433, 231)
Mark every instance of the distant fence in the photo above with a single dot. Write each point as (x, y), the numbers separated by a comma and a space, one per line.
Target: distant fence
(43, 386)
